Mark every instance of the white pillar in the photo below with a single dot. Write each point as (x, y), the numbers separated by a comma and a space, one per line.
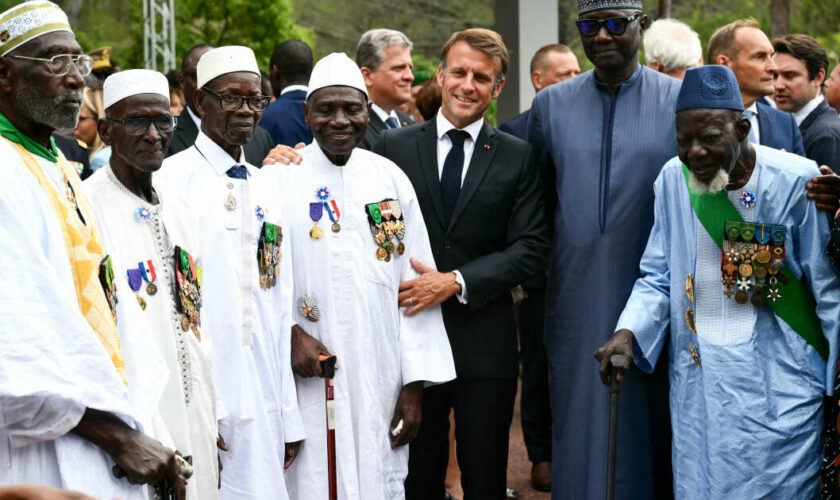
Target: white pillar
(525, 26)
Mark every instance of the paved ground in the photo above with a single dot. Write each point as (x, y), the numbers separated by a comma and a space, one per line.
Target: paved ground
(519, 468)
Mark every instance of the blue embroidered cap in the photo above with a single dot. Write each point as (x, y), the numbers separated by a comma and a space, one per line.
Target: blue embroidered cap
(587, 6)
(712, 87)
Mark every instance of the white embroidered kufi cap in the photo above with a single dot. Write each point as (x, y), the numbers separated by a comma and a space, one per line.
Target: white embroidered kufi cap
(336, 69)
(29, 20)
(132, 82)
(223, 60)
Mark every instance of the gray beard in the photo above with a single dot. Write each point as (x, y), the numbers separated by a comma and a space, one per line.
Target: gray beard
(52, 112)
(717, 184)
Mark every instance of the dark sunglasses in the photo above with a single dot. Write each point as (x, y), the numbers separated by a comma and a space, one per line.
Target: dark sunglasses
(139, 126)
(615, 25)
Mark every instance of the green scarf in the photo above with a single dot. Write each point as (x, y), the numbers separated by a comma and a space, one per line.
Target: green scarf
(11, 133)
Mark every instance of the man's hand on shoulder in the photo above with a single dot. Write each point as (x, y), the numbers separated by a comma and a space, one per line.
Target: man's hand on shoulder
(621, 342)
(429, 289)
(284, 155)
(409, 411)
(305, 353)
(825, 190)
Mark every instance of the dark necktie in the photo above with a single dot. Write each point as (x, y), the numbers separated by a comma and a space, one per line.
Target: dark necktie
(392, 122)
(453, 166)
(238, 172)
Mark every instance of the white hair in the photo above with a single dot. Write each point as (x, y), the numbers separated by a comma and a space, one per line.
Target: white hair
(673, 44)
(716, 185)
(371, 49)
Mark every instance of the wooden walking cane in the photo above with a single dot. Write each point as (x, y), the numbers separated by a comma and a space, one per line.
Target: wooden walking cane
(617, 361)
(328, 372)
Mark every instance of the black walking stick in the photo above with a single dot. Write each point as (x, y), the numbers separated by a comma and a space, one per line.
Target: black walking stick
(617, 362)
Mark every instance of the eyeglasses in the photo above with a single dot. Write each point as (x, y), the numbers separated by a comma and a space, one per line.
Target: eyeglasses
(139, 126)
(615, 25)
(232, 102)
(60, 64)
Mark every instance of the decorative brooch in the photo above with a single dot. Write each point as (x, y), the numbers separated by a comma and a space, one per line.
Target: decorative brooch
(144, 214)
(260, 212)
(747, 199)
(322, 193)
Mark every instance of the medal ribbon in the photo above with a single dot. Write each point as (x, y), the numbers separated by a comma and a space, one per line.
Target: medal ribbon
(796, 307)
(135, 279)
(375, 213)
(316, 211)
(332, 210)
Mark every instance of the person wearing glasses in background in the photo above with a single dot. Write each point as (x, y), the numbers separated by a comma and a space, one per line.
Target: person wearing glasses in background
(605, 160)
(246, 286)
(144, 225)
(71, 398)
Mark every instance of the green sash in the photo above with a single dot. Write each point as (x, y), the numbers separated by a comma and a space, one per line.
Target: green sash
(796, 306)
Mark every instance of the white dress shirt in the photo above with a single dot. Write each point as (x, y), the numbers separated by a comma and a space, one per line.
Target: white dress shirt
(195, 118)
(803, 113)
(292, 88)
(383, 115)
(444, 144)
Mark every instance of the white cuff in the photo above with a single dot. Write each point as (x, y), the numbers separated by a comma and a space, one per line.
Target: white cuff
(462, 296)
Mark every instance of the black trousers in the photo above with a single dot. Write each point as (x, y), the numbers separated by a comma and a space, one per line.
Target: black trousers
(535, 406)
(483, 412)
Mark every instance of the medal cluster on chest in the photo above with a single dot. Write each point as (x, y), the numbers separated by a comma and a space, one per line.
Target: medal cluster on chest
(386, 223)
(324, 203)
(188, 290)
(268, 254)
(752, 258)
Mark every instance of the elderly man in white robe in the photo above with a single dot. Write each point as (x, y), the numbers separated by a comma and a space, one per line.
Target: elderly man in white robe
(353, 222)
(248, 312)
(71, 404)
(148, 229)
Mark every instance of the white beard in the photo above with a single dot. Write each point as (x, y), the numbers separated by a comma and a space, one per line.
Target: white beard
(717, 184)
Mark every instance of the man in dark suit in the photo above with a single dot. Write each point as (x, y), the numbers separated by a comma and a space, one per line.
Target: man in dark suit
(551, 64)
(291, 65)
(384, 56)
(481, 199)
(802, 64)
(189, 122)
(747, 51)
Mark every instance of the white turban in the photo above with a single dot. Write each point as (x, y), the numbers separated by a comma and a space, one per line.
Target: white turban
(132, 82)
(336, 70)
(29, 20)
(223, 60)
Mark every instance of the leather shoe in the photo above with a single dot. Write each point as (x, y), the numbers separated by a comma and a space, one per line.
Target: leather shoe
(541, 476)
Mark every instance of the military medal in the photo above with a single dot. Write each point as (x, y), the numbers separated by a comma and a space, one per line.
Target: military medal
(694, 355)
(134, 282)
(147, 271)
(143, 213)
(752, 253)
(334, 214)
(689, 319)
(188, 291)
(260, 213)
(399, 225)
(230, 202)
(268, 254)
(316, 211)
(109, 285)
(308, 307)
(689, 288)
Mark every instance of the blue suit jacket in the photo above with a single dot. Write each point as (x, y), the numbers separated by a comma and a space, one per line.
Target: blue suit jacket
(777, 129)
(517, 126)
(284, 119)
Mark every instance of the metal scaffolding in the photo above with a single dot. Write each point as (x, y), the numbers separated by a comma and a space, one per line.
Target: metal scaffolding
(159, 34)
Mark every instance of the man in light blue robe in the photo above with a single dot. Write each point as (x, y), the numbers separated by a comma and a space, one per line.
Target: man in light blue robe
(606, 133)
(746, 389)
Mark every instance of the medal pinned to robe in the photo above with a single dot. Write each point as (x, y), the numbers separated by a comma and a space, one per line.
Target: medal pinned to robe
(188, 291)
(269, 255)
(386, 222)
(147, 272)
(109, 285)
(332, 210)
(135, 281)
(316, 211)
(752, 257)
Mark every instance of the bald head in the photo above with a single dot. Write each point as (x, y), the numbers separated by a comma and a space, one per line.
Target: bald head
(552, 64)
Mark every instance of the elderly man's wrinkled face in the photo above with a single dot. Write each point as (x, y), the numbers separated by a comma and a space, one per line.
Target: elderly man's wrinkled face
(338, 117)
(708, 143)
(609, 52)
(41, 96)
(229, 126)
(144, 151)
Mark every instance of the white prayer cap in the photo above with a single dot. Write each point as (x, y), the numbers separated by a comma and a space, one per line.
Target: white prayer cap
(336, 70)
(29, 20)
(223, 60)
(132, 82)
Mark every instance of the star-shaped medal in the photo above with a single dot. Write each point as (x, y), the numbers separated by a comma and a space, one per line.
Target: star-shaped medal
(744, 283)
(774, 294)
(732, 255)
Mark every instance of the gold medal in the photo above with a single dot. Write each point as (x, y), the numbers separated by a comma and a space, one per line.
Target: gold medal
(336, 227)
(262, 281)
(689, 319)
(389, 247)
(745, 270)
(196, 333)
(741, 297)
(762, 257)
(694, 355)
(401, 248)
(689, 288)
(276, 270)
(230, 202)
(315, 233)
(381, 253)
(185, 323)
(141, 302)
(151, 289)
(730, 268)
